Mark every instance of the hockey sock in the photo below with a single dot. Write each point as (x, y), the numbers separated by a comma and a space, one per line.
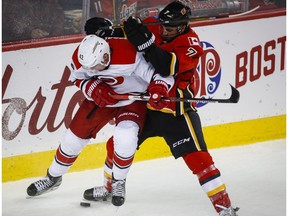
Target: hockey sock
(67, 153)
(202, 165)
(125, 144)
(109, 164)
(61, 163)
(220, 199)
(121, 166)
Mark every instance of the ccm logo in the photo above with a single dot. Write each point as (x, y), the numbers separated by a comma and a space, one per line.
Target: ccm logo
(180, 142)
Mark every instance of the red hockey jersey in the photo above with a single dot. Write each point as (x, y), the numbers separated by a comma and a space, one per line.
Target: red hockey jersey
(188, 50)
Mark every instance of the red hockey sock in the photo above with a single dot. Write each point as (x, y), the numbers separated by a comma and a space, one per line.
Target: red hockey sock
(110, 148)
(109, 164)
(202, 165)
(220, 199)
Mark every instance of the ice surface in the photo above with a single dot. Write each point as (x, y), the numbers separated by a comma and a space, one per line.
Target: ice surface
(255, 176)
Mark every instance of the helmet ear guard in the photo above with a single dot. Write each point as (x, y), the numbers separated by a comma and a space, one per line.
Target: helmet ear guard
(176, 13)
(93, 50)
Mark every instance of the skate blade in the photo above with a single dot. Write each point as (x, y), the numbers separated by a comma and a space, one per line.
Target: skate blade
(42, 193)
(104, 199)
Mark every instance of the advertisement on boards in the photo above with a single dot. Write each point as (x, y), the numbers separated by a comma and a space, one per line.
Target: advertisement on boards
(38, 101)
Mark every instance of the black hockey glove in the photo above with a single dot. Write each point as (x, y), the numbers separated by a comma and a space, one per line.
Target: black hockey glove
(138, 34)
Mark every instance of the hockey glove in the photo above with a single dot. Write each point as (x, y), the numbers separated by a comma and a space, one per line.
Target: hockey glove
(158, 89)
(138, 34)
(100, 92)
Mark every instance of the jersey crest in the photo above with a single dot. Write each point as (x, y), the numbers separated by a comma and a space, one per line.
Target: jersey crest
(112, 81)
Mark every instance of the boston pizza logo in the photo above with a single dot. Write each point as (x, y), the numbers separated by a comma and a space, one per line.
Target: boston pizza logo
(208, 76)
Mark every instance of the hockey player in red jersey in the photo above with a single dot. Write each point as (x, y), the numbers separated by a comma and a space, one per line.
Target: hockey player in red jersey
(175, 51)
(101, 74)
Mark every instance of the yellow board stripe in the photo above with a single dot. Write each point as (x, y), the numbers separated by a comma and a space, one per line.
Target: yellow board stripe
(93, 156)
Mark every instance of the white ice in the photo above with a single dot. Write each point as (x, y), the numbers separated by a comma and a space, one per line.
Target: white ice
(255, 177)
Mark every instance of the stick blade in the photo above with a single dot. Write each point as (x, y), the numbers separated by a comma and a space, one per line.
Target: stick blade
(235, 95)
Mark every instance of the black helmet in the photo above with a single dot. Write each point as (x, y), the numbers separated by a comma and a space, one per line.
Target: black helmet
(177, 13)
(92, 27)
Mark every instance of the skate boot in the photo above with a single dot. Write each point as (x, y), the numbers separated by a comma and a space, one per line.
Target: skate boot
(118, 192)
(228, 211)
(47, 184)
(100, 192)
(97, 194)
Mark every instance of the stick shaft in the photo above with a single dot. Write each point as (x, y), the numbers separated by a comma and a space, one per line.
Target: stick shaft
(234, 98)
(171, 99)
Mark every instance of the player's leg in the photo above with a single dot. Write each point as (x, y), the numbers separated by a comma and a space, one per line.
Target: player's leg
(201, 164)
(103, 192)
(188, 142)
(82, 127)
(132, 113)
(129, 121)
(66, 154)
(209, 176)
(125, 144)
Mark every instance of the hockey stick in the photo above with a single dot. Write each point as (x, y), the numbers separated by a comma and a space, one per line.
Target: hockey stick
(244, 13)
(234, 98)
(188, 20)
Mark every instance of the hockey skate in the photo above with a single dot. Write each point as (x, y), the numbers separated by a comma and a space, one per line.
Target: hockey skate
(118, 192)
(100, 193)
(228, 211)
(47, 184)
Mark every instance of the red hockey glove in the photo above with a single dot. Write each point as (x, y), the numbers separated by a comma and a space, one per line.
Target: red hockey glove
(100, 92)
(156, 90)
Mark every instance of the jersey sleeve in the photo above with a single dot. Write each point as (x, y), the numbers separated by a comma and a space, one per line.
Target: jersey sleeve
(169, 80)
(75, 64)
(165, 63)
(188, 50)
(178, 56)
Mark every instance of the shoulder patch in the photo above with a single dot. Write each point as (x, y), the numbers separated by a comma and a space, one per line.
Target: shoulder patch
(193, 41)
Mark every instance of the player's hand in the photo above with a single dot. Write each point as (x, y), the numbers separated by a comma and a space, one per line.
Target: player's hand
(138, 34)
(158, 89)
(100, 92)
